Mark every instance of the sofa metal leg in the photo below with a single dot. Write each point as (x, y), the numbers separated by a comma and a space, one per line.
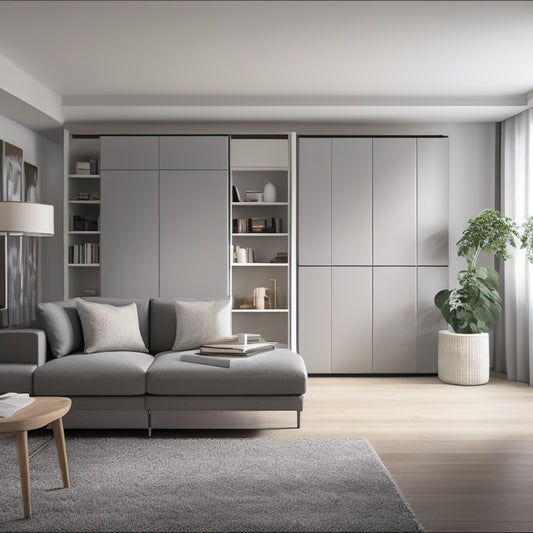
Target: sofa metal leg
(298, 413)
(149, 424)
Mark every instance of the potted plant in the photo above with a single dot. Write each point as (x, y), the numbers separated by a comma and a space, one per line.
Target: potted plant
(470, 309)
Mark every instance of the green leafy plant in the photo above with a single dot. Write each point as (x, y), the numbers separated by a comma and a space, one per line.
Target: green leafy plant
(473, 306)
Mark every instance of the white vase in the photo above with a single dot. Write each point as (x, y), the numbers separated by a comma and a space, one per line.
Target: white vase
(463, 358)
(269, 193)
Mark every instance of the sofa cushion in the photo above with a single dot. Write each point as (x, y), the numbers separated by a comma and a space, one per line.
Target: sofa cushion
(143, 311)
(96, 374)
(276, 372)
(163, 322)
(61, 323)
(110, 327)
(200, 321)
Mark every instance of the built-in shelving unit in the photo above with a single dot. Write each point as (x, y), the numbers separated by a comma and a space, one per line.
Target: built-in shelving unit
(82, 217)
(263, 236)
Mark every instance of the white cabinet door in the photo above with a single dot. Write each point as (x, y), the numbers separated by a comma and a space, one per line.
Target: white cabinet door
(129, 241)
(314, 201)
(394, 217)
(351, 320)
(430, 281)
(192, 152)
(394, 324)
(314, 318)
(433, 201)
(129, 152)
(351, 201)
(193, 233)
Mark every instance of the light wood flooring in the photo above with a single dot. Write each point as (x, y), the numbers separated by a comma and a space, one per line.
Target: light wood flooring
(462, 456)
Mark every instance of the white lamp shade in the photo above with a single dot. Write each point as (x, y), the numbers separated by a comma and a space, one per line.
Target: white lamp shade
(34, 220)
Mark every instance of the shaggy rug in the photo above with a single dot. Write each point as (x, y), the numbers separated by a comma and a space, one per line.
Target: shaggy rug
(128, 482)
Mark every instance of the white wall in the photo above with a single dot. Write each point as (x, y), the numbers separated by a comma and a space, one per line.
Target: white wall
(46, 155)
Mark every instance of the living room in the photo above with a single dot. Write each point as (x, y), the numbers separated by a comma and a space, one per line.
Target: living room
(445, 80)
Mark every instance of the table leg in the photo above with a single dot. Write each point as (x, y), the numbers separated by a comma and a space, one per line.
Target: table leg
(59, 436)
(24, 466)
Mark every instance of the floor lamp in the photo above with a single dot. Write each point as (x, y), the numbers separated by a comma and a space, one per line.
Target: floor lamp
(23, 219)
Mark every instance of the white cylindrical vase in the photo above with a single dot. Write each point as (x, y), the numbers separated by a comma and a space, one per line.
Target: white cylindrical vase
(463, 358)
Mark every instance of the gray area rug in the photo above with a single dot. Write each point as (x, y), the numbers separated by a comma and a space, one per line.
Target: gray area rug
(128, 482)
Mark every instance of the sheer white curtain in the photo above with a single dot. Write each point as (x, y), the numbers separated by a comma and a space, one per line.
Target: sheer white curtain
(515, 346)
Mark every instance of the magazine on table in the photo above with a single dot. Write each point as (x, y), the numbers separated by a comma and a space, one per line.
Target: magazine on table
(11, 402)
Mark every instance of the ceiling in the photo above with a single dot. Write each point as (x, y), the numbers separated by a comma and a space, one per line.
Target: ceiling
(347, 61)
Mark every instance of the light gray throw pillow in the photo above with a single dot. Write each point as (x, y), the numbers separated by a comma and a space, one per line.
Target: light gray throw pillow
(109, 327)
(201, 321)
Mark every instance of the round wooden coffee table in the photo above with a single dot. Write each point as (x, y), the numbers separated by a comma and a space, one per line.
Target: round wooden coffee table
(44, 410)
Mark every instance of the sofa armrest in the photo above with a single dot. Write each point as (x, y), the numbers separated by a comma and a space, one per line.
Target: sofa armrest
(23, 346)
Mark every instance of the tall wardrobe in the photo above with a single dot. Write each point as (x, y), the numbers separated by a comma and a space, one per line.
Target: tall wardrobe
(372, 252)
(164, 216)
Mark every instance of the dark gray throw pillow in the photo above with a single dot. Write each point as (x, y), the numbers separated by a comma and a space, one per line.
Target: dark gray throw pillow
(61, 323)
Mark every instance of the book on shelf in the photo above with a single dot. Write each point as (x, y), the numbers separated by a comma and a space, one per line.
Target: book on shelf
(242, 254)
(226, 348)
(85, 253)
(206, 360)
(11, 402)
(79, 223)
(241, 225)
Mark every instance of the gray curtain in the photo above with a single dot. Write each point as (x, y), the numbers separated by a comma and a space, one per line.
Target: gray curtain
(514, 340)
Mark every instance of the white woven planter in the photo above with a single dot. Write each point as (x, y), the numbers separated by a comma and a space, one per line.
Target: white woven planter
(464, 358)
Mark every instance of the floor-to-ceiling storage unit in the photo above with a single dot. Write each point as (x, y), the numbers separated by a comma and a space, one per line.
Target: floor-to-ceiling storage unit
(373, 251)
(164, 216)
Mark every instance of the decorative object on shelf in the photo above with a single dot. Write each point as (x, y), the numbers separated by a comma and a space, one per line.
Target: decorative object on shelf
(269, 192)
(90, 292)
(83, 167)
(275, 299)
(471, 309)
(93, 166)
(236, 195)
(258, 225)
(281, 257)
(259, 297)
(244, 303)
(254, 196)
(268, 300)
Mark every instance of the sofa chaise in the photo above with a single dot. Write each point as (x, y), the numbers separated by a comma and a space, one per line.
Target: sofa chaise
(136, 377)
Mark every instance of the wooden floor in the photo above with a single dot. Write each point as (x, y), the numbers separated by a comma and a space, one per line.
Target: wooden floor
(462, 456)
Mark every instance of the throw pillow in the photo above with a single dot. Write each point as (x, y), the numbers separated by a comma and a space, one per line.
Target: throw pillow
(61, 323)
(108, 327)
(201, 321)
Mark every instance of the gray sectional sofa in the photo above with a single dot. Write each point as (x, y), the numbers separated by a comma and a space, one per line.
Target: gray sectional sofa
(141, 389)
